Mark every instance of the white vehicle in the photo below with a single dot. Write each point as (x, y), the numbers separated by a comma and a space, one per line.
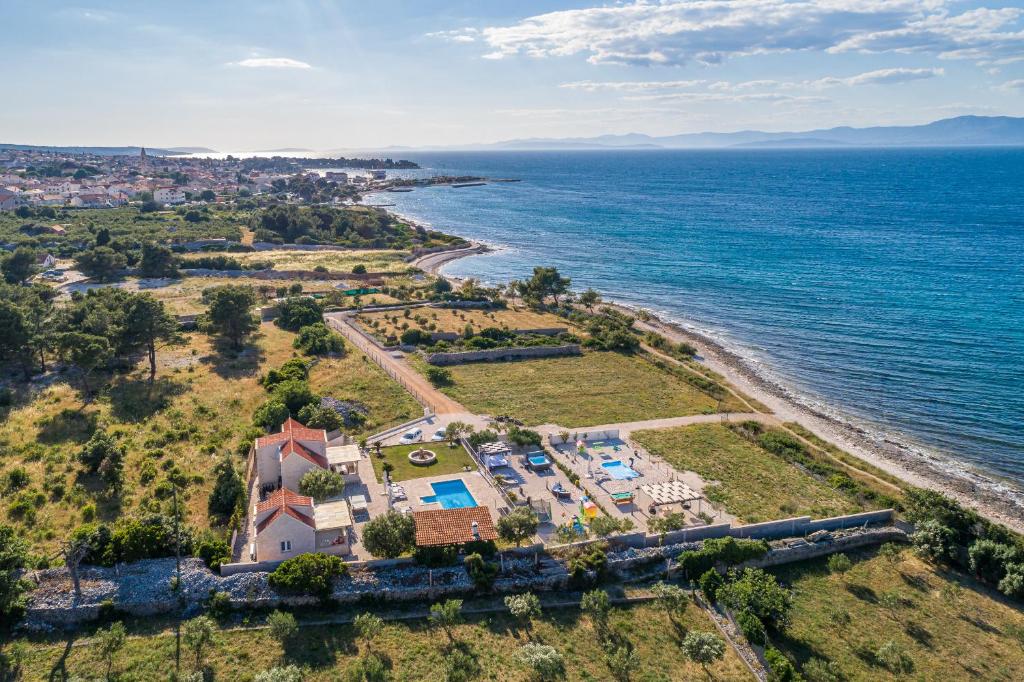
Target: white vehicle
(411, 436)
(439, 435)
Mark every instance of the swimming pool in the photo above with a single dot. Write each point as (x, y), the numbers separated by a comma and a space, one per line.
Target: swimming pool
(619, 471)
(450, 495)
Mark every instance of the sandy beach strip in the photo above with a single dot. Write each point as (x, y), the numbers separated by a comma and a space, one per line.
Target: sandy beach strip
(996, 499)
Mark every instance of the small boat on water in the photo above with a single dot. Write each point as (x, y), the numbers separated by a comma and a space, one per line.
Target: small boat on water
(507, 180)
(468, 184)
(399, 189)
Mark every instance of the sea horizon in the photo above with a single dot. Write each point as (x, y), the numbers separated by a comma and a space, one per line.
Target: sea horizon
(875, 286)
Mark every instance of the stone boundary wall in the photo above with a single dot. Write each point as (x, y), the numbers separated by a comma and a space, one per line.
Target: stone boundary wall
(143, 588)
(453, 336)
(610, 434)
(366, 277)
(492, 354)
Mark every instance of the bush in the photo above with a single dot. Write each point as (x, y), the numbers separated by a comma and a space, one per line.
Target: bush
(294, 394)
(321, 484)
(759, 593)
(219, 604)
(751, 627)
(228, 489)
(389, 535)
(780, 668)
(283, 626)
(308, 574)
(318, 417)
(270, 414)
(543, 660)
(934, 542)
(359, 269)
(297, 312)
(481, 572)
(436, 557)
(710, 582)
(721, 551)
(213, 550)
(518, 525)
(439, 376)
(587, 566)
(289, 673)
(318, 339)
(296, 369)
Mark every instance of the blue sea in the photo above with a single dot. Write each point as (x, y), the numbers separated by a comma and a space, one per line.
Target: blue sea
(884, 285)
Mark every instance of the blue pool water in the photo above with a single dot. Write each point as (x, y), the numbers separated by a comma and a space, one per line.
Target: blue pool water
(619, 471)
(450, 495)
(882, 285)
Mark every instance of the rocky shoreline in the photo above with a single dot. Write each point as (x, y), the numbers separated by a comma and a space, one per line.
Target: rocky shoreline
(996, 499)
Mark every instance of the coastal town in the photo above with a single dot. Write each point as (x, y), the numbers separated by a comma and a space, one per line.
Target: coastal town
(240, 399)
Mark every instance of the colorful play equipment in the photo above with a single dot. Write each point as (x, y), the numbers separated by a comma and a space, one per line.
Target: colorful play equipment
(588, 509)
(577, 526)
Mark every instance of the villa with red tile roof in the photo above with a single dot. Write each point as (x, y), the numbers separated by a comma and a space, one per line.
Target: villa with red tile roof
(282, 458)
(287, 524)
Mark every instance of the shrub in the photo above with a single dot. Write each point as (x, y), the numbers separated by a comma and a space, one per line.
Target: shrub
(751, 627)
(359, 269)
(780, 668)
(270, 415)
(389, 535)
(439, 376)
(228, 489)
(213, 550)
(294, 394)
(318, 417)
(721, 551)
(758, 592)
(934, 542)
(298, 312)
(16, 479)
(543, 660)
(100, 448)
(318, 339)
(481, 572)
(703, 648)
(710, 582)
(819, 670)
(308, 574)
(296, 368)
(667, 523)
(289, 673)
(219, 604)
(523, 607)
(587, 566)
(518, 525)
(598, 606)
(283, 626)
(321, 484)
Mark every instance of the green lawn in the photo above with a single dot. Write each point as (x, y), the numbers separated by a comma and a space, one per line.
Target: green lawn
(750, 483)
(978, 636)
(414, 650)
(594, 388)
(449, 461)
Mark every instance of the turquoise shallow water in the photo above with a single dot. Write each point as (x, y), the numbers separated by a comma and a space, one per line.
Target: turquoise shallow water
(887, 285)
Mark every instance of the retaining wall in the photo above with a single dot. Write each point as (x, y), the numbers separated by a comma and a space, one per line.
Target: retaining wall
(610, 434)
(493, 354)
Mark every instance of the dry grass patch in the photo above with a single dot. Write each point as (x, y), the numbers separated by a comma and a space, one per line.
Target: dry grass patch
(379, 260)
(977, 635)
(413, 649)
(748, 481)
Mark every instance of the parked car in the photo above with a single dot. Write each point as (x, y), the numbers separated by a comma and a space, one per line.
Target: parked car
(411, 436)
(439, 435)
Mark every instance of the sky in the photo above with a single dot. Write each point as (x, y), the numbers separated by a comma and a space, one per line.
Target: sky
(334, 74)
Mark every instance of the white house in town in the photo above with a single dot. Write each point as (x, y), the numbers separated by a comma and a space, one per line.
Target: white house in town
(169, 195)
(282, 458)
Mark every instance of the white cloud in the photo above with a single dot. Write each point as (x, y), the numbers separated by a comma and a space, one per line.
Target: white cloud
(879, 77)
(673, 32)
(770, 97)
(272, 63)
(465, 35)
(630, 86)
(1013, 86)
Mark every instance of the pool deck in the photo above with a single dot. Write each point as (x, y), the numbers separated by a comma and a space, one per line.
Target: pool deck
(651, 470)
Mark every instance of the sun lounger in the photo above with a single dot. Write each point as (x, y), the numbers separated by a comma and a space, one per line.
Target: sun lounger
(358, 503)
(496, 461)
(561, 492)
(398, 493)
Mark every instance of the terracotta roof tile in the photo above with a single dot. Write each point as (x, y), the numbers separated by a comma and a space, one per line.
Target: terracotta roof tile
(452, 526)
(283, 496)
(295, 448)
(289, 430)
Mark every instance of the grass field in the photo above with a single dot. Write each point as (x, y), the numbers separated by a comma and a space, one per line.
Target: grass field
(976, 636)
(413, 650)
(381, 260)
(389, 323)
(449, 461)
(595, 388)
(750, 482)
(199, 407)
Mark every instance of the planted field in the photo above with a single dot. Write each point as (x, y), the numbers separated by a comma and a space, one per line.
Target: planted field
(393, 323)
(748, 481)
(449, 461)
(945, 633)
(594, 388)
(199, 407)
(412, 650)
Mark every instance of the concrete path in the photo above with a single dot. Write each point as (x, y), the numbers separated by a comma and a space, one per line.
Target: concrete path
(627, 428)
(413, 381)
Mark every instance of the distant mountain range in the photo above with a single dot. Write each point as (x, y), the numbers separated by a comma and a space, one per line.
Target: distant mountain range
(108, 151)
(959, 131)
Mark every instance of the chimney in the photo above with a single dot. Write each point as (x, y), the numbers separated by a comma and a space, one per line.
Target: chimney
(475, 530)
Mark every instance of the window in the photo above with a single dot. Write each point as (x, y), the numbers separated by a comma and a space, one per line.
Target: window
(286, 546)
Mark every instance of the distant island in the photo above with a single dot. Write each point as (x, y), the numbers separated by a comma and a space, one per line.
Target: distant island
(949, 132)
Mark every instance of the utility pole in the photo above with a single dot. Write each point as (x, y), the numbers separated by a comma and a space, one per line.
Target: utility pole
(177, 536)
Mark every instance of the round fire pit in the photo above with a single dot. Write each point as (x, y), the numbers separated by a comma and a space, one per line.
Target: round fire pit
(422, 457)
